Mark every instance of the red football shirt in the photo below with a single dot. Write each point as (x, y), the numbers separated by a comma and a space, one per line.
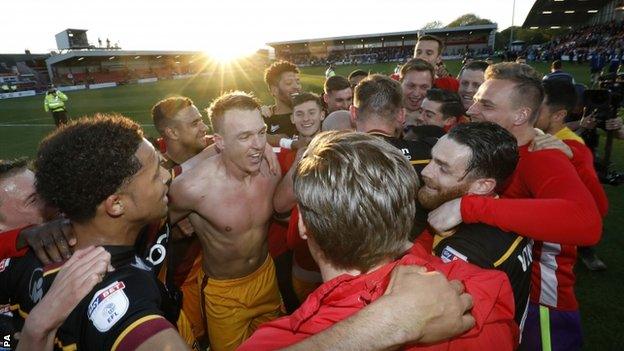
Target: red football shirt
(343, 296)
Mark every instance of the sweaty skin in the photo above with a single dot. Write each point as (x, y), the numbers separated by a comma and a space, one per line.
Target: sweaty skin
(229, 206)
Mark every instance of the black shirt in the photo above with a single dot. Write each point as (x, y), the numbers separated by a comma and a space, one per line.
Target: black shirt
(418, 153)
(126, 308)
(492, 248)
(280, 124)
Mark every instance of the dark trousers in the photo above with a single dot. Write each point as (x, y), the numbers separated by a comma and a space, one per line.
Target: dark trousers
(60, 117)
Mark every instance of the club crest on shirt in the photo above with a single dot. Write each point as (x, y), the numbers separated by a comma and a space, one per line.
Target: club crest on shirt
(274, 128)
(449, 254)
(108, 306)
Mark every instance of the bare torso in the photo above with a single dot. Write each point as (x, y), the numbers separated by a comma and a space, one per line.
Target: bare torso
(229, 215)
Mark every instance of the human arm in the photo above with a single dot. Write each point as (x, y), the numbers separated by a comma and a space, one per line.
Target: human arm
(75, 280)
(561, 209)
(418, 306)
(168, 339)
(284, 197)
(616, 126)
(51, 241)
(61, 95)
(583, 162)
(181, 199)
(546, 141)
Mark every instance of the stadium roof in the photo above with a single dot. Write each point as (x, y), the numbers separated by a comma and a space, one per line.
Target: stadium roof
(54, 59)
(483, 27)
(562, 13)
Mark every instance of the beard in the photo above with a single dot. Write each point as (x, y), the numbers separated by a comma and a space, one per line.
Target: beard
(431, 199)
(285, 98)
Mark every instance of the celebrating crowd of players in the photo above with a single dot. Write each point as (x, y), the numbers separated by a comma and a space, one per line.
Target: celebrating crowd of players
(423, 212)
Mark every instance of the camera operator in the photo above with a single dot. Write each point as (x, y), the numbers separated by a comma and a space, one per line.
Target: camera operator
(54, 101)
(588, 124)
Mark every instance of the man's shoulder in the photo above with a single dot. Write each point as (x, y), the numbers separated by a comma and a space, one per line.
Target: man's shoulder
(127, 298)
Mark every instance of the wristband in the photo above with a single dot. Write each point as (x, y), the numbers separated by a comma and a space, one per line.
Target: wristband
(285, 143)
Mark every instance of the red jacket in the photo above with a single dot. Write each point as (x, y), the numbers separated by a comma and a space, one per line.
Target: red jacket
(544, 200)
(343, 296)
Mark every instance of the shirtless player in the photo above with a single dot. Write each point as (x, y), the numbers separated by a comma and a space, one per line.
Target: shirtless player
(229, 202)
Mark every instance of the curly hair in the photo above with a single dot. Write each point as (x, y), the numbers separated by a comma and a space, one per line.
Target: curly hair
(82, 163)
(274, 72)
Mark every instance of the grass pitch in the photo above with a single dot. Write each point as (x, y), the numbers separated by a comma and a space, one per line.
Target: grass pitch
(23, 123)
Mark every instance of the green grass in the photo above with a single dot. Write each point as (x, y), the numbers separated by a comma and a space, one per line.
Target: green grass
(599, 294)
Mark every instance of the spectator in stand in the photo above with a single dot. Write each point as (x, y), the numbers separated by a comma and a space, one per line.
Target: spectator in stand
(597, 63)
(330, 72)
(556, 72)
(338, 94)
(356, 76)
(470, 79)
(430, 48)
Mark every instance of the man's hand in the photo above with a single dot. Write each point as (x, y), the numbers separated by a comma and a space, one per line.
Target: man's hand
(588, 121)
(547, 141)
(301, 143)
(426, 306)
(613, 124)
(74, 281)
(271, 158)
(446, 217)
(51, 241)
(266, 111)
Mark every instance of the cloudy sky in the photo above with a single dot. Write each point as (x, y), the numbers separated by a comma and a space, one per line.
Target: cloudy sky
(230, 25)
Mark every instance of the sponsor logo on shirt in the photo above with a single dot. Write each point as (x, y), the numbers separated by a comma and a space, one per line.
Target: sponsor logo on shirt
(108, 306)
(35, 286)
(274, 128)
(449, 254)
(407, 154)
(4, 264)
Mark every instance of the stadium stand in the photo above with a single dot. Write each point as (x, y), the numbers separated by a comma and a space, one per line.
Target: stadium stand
(477, 40)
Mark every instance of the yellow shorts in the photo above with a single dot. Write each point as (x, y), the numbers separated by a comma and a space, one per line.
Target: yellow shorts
(190, 302)
(186, 332)
(234, 308)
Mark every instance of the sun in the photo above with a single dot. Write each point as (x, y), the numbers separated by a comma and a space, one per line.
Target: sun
(227, 52)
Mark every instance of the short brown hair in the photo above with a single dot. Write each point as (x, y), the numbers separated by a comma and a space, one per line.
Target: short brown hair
(378, 96)
(230, 101)
(528, 91)
(274, 72)
(418, 65)
(476, 65)
(356, 194)
(336, 83)
(305, 96)
(164, 110)
(450, 102)
(429, 37)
